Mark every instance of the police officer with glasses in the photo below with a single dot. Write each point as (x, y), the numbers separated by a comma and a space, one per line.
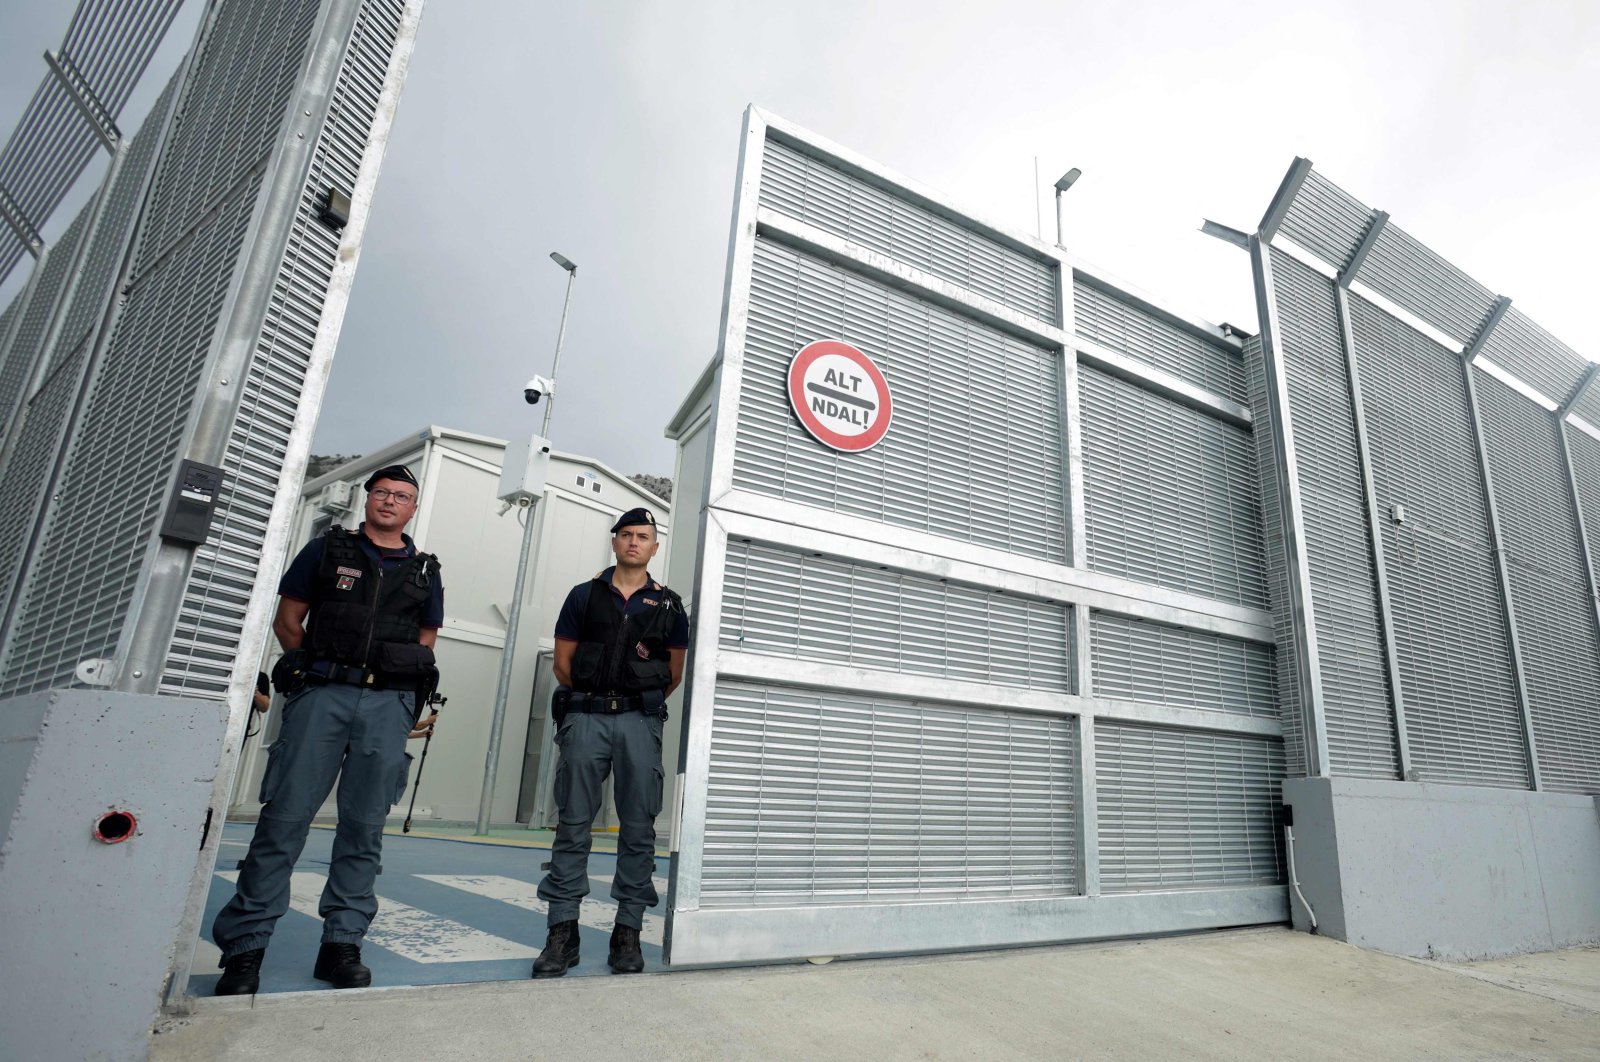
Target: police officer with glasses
(358, 614)
(620, 644)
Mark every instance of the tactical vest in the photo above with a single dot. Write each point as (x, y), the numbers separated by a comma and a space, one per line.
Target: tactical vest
(618, 653)
(357, 606)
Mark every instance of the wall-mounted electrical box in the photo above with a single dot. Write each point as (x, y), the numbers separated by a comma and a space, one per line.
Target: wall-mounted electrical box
(193, 503)
(525, 471)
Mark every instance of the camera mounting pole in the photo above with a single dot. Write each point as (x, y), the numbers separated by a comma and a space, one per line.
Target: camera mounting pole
(530, 503)
(555, 365)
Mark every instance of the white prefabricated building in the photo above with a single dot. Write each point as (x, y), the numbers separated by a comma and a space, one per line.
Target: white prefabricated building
(459, 519)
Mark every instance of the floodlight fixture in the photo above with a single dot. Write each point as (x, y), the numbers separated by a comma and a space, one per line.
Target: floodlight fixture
(564, 262)
(1066, 181)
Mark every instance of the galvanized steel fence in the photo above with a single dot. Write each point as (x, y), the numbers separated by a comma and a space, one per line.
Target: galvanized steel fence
(185, 314)
(1434, 505)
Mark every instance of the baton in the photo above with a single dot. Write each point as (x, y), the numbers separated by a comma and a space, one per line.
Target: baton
(433, 700)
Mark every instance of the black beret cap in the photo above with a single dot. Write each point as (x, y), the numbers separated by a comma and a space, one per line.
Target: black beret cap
(397, 472)
(633, 517)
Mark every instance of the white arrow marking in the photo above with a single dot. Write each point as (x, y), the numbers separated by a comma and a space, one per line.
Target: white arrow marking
(407, 931)
(596, 914)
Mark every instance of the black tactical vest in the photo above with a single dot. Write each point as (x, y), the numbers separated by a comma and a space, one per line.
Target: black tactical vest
(624, 654)
(356, 606)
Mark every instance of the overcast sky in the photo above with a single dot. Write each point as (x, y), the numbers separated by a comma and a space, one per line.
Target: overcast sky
(610, 132)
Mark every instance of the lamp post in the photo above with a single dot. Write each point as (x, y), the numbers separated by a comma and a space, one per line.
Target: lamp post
(1061, 186)
(508, 654)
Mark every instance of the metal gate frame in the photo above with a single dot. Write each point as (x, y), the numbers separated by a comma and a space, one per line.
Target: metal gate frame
(697, 934)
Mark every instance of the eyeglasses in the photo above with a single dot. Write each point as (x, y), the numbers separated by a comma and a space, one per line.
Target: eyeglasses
(400, 496)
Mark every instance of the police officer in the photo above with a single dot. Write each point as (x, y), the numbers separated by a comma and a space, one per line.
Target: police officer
(621, 639)
(358, 613)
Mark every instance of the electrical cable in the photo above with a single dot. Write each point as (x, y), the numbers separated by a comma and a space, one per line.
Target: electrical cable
(1288, 833)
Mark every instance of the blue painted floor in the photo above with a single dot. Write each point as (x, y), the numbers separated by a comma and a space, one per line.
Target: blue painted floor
(449, 912)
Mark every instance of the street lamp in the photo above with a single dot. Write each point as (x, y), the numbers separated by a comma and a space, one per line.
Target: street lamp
(531, 505)
(1062, 185)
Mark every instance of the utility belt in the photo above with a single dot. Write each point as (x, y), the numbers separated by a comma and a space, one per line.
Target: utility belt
(324, 673)
(406, 667)
(564, 700)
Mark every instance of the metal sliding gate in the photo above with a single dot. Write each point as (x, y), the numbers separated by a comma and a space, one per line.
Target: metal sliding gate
(1006, 675)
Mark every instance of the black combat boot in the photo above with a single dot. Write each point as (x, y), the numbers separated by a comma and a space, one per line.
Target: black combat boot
(560, 952)
(241, 975)
(340, 965)
(625, 955)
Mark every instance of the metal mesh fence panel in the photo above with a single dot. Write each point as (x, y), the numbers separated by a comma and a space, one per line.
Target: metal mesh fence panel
(827, 798)
(931, 472)
(14, 307)
(1585, 451)
(25, 479)
(1101, 317)
(197, 216)
(232, 110)
(845, 204)
(782, 603)
(195, 230)
(32, 460)
(116, 476)
(1326, 220)
(225, 566)
(23, 355)
(1534, 356)
(1171, 495)
(1290, 701)
(1557, 639)
(1357, 703)
(1588, 406)
(108, 247)
(1463, 721)
(1416, 278)
(1139, 660)
(1185, 810)
(102, 57)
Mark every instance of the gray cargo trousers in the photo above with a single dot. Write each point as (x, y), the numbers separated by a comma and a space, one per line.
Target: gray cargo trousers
(359, 736)
(592, 746)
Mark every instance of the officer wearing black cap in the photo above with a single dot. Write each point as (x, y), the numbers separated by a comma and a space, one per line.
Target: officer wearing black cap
(358, 613)
(621, 639)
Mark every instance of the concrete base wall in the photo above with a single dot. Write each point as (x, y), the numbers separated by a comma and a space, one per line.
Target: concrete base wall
(88, 930)
(1447, 872)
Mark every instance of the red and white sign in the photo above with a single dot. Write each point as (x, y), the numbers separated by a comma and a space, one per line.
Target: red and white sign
(839, 395)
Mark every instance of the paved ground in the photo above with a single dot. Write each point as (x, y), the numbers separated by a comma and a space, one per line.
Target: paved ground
(450, 911)
(1261, 993)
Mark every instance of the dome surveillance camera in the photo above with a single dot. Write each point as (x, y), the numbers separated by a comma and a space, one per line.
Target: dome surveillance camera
(537, 388)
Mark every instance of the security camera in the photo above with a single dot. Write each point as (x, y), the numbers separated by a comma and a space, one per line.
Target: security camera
(537, 388)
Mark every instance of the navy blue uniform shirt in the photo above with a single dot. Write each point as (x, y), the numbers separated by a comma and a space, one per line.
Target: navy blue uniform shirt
(301, 576)
(569, 625)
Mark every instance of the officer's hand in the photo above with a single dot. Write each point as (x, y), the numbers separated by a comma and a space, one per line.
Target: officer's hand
(260, 701)
(424, 727)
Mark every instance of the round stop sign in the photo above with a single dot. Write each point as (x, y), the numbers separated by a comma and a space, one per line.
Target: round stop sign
(839, 395)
